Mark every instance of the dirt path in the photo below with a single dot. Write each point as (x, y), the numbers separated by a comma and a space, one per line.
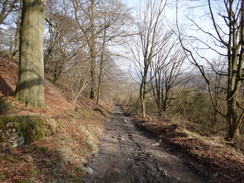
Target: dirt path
(127, 155)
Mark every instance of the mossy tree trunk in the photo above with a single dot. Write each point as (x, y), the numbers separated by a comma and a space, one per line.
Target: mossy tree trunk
(30, 86)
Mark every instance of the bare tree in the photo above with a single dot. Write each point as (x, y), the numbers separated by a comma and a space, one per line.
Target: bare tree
(15, 52)
(10, 13)
(147, 44)
(85, 19)
(168, 74)
(219, 83)
(77, 81)
(6, 8)
(59, 40)
(228, 24)
(112, 28)
(101, 22)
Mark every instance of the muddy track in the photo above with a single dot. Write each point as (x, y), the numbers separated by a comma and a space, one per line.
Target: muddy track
(129, 155)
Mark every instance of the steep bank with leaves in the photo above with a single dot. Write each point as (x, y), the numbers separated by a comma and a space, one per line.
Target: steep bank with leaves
(59, 157)
(211, 156)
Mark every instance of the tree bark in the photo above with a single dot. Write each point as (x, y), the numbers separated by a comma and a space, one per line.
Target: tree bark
(235, 64)
(30, 86)
(102, 62)
(17, 37)
(93, 92)
(143, 89)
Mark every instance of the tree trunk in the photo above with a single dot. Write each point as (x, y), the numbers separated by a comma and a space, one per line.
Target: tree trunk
(143, 88)
(30, 86)
(234, 119)
(101, 69)
(93, 53)
(143, 107)
(17, 36)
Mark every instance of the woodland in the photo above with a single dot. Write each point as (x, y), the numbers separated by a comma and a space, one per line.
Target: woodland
(176, 62)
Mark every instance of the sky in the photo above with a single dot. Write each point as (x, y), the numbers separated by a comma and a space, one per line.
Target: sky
(193, 10)
(131, 3)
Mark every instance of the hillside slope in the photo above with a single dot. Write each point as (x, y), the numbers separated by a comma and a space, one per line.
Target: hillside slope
(59, 157)
(210, 156)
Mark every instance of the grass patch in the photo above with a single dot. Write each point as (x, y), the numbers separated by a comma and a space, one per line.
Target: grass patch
(85, 113)
(5, 105)
(2, 176)
(47, 162)
(21, 181)
(73, 114)
(79, 171)
(42, 149)
(8, 158)
(33, 172)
